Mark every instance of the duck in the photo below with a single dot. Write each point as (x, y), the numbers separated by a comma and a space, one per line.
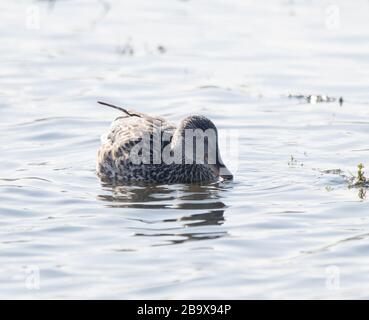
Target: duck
(143, 148)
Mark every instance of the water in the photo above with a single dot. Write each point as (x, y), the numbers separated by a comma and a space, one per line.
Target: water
(285, 228)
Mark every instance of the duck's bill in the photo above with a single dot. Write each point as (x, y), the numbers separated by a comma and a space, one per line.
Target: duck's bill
(222, 172)
(225, 174)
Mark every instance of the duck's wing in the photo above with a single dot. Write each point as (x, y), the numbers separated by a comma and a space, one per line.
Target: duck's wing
(133, 128)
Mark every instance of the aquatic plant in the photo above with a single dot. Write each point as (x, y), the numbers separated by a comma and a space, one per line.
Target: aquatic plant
(294, 162)
(360, 173)
(360, 180)
(313, 99)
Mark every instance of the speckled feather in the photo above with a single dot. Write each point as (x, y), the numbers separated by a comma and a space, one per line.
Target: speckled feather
(114, 164)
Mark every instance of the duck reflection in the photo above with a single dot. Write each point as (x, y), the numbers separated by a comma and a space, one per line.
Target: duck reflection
(191, 212)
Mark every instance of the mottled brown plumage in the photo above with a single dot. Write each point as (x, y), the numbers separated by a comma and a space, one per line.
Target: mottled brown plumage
(135, 130)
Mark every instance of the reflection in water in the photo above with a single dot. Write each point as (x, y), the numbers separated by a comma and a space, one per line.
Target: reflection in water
(203, 211)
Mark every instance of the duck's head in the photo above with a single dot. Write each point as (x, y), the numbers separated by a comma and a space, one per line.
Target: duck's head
(197, 136)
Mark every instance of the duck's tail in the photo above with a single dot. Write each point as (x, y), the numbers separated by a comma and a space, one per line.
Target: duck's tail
(126, 111)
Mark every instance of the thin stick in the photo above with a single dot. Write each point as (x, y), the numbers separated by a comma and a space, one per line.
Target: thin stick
(118, 108)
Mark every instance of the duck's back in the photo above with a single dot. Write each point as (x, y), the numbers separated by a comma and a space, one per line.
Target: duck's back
(128, 135)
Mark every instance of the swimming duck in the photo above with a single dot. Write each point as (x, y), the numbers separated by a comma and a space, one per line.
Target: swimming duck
(143, 148)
